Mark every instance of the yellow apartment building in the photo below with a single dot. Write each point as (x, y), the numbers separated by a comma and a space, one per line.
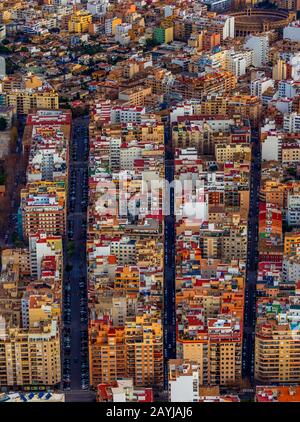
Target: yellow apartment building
(277, 353)
(232, 152)
(30, 358)
(79, 21)
(291, 243)
(106, 353)
(25, 100)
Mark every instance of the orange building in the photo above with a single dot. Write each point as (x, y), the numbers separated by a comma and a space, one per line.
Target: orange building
(106, 353)
(134, 351)
(127, 279)
(273, 192)
(292, 243)
(211, 40)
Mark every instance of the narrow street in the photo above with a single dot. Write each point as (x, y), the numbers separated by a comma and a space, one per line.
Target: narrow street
(169, 267)
(252, 264)
(10, 228)
(75, 313)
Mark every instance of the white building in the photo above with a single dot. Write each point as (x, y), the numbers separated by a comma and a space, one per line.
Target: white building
(236, 63)
(125, 250)
(185, 109)
(168, 10)
(121, 33)
(103, 109)
(291, 123)
(126, 114)
(271, 147)
(293, 209)
(288, 88)
(291, 269)
(97, 7)
(260, 85)
(284, 105)
(114, 154)
(2, 67)
(39, 248)
(260, 45)
(128, 154)
(228, 25)
(292, 31)
(183, 381)
(295, 63)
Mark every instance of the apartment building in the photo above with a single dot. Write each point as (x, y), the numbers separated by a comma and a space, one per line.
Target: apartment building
(42, 245)
(43, 206)
(291, 243)
(277, 350)
(79, 21)
(233, 152)
(26, 100)
(106, 353)
(133, 351)
(260, 45)
(30, 358)
(293, 208)
(291, 123)
(183, 380)
(135, 96)
(144, 351)
(216, 348)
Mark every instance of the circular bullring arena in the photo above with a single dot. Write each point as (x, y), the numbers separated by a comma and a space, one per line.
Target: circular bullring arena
(252, 21)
